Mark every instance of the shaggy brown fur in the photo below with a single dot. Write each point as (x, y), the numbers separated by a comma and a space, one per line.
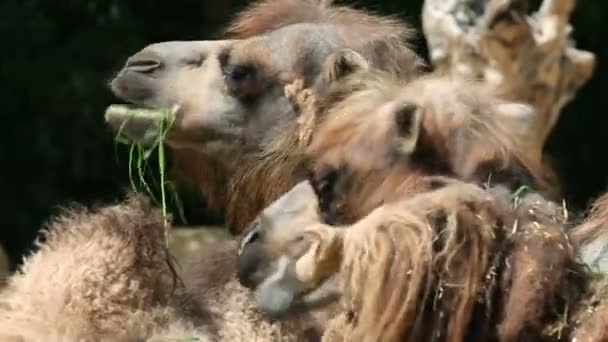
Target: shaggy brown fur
(360, 158)
(242, 190)
(541, 279)
(591, 315)
(538, 279)
(453, 264)
(432, 253)
(591, 239)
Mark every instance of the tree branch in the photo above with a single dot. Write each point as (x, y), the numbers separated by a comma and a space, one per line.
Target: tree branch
(530, 58)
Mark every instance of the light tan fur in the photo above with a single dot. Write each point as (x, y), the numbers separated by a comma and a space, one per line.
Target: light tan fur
(98, 275)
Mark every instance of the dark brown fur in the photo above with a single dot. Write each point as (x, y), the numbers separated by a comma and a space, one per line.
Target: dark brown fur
(591, 316)
(497, 273)
(541, 279)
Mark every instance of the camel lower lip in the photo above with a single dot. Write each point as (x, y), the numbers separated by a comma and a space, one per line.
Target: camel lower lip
(139, 124)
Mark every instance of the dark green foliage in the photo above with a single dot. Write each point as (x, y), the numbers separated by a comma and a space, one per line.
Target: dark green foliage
(58, 56)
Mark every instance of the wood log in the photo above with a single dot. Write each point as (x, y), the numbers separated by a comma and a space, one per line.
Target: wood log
(528, 57)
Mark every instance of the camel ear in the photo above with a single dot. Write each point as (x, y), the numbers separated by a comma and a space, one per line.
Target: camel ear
(408, 118)
(343, 63)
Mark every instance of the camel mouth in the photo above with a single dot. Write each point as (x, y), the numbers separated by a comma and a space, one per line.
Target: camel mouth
(140, 124)
(283, 294)
(326, 292)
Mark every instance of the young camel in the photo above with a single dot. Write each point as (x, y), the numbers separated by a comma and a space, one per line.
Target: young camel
(106, 275)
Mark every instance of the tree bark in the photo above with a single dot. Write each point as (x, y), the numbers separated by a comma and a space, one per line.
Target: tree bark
(529, 58)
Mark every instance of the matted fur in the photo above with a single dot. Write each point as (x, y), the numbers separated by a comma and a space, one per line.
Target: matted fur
(459, 263)
(541, 280)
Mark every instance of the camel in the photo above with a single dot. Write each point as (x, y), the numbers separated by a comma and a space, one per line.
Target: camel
(229, 95)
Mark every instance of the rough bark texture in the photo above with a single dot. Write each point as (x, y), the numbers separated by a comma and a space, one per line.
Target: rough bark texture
(530, 58)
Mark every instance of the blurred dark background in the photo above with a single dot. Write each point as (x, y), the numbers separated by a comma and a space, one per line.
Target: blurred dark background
(58, 57)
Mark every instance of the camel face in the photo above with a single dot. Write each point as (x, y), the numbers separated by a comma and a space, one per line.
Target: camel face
(230, 94)
(234, 124)
(275, 254)
(187, 75)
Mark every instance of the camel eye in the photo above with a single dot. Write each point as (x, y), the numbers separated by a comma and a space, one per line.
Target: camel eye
(324, 189)
(241, 80)
(324, 185)
(239, 73)
(253, 234)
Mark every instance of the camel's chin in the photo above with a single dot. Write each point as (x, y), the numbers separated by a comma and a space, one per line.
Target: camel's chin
(322, 295)
(279, 300)
(274, 299)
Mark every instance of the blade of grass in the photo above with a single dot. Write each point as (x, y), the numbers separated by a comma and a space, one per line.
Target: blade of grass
(140, 172)
(178, 202)
(131, 180)
(140, 162)
(161, 166)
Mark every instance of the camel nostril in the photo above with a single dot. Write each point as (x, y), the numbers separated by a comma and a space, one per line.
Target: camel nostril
(143, 63)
